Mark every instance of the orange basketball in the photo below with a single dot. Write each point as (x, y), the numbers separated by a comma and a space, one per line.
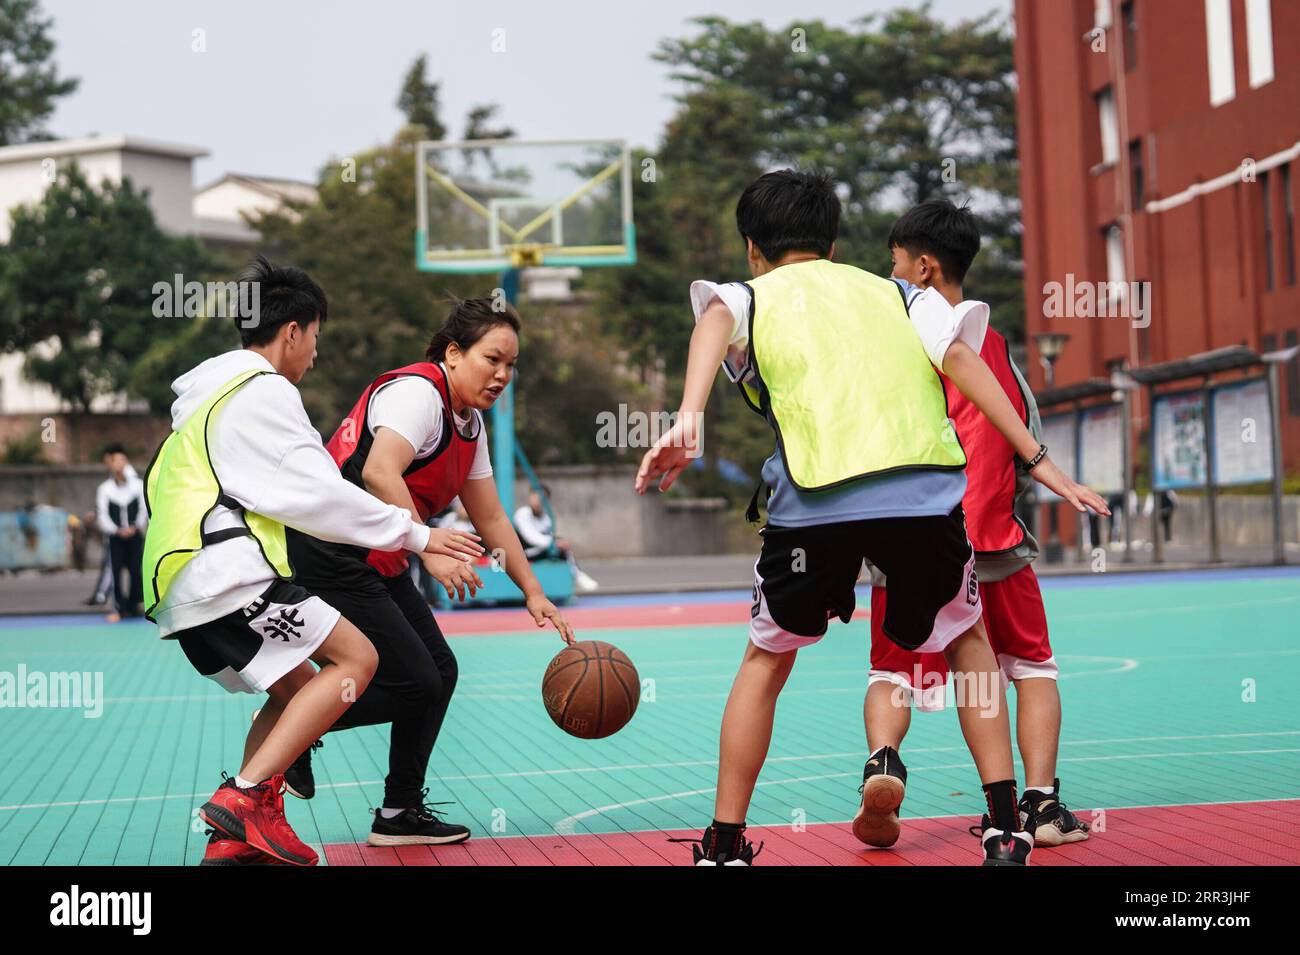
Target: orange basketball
(591, 689)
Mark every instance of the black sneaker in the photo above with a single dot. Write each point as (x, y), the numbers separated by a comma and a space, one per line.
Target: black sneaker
(1005, 848)
(298, 778)
(707, 850)
(417, 826)
(1047, 818)
(884, 780)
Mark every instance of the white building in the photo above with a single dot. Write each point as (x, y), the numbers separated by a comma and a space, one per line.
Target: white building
(221, 207)
(214, 214)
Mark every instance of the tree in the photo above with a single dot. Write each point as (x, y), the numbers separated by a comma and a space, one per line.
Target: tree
(418, 100)
(29, 82)
(76, 285)
(899, 107)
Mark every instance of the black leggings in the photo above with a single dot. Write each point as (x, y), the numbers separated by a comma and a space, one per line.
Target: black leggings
(413, 683)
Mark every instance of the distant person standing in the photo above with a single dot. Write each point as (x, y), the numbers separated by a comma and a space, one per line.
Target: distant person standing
(122, 517)
(537, 532)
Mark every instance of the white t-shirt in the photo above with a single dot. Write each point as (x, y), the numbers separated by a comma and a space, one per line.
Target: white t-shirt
(412, 407)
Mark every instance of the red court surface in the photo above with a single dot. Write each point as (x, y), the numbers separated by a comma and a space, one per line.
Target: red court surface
(1246, 833)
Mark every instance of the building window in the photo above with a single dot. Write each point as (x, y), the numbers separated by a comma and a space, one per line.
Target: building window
(1136, 173)
(1109, 127)
(1259, 41)
(1101, 14)
(1265, 192)
(1218, 37)
(1288, 210)
(1129, 18)
(1115, 256)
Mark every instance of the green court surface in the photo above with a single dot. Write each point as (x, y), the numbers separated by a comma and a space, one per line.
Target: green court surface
(1177, 689)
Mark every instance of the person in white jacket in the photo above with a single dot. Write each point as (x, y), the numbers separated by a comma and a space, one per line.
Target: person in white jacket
(121, 518)
(230, 607)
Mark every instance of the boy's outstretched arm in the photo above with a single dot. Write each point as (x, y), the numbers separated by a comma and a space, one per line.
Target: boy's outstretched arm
(675, 448)
(966, 368)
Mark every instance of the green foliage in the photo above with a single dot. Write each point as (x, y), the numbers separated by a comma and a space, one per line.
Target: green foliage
(900, 107)
(418, 100)
(25, 450)
(29, 82)
(76, 285)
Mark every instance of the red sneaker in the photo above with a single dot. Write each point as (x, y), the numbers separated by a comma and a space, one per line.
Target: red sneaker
(256, 816)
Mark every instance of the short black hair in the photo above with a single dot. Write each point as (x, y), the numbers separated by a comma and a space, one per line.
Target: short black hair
(937, 227)
(285, 294)
(468, 321)
(790, 210)
(114, 448)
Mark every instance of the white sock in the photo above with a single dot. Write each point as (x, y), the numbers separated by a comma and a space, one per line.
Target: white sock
(1045, 790)
(391, 813)
(243, 783)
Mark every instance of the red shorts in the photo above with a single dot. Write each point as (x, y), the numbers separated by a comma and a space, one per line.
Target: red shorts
(1017, 626)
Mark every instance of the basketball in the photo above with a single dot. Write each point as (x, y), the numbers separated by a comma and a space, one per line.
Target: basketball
(591, 689)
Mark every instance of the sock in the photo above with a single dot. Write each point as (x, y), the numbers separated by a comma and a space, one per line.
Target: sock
(1003, 811)
(1045, 790)
(391, 813)
(243, 783)
(726, 836)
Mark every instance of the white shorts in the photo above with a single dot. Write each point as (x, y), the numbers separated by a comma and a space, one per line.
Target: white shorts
(248, 650)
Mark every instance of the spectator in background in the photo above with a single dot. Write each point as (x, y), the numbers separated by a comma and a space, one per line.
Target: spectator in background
(121, 515)
(1168, 503)
(104, 583)
(537, 533)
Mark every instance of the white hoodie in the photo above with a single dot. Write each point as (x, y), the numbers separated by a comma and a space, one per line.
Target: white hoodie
(267, 457)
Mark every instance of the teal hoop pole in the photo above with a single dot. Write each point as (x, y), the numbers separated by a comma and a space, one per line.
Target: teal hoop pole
(503, 419)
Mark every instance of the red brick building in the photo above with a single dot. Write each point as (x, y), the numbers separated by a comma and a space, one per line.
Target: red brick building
(1160, 143)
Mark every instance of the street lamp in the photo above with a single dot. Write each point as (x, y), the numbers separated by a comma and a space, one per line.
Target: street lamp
(1050, 345)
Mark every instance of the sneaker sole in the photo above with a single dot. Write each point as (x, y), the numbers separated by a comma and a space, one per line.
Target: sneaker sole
(227, 823)
(294, 792)
(876, 823)
(1052, 836)
(377, 839)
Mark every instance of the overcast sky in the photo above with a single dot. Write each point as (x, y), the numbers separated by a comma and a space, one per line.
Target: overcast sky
(284, 85)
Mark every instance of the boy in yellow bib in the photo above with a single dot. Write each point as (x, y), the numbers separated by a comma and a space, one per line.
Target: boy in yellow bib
(842, 364)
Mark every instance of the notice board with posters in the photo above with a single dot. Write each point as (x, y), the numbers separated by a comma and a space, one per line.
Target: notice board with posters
(1061, 435)
(1101, 448)
(1243, 432)
(1178, 440)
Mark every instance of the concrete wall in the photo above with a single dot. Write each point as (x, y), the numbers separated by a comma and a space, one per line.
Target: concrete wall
(596, 509)
(70, 439)
(594, 506)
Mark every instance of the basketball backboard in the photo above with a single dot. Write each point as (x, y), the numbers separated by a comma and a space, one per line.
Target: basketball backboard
(489, 205)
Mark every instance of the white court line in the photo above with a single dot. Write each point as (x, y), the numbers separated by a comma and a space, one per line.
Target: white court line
(565, 827)
(858, 754)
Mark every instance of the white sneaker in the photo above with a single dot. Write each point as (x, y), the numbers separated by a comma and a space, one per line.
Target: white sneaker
(584, 582)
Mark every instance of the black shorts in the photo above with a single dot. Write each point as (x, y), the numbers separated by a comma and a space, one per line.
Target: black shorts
(248, 650)
(806, 575)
